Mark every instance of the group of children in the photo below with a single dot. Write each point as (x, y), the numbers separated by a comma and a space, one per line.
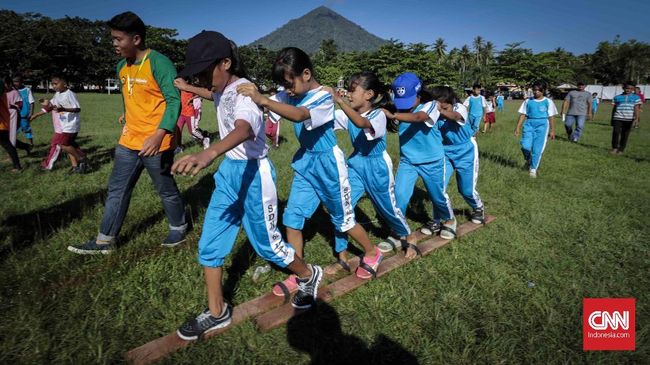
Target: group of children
(436, 138)
(17, 114)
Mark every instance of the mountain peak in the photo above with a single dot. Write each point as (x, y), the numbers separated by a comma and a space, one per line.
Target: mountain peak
(308, 31)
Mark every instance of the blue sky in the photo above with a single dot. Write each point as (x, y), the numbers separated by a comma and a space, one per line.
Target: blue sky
(576, 26)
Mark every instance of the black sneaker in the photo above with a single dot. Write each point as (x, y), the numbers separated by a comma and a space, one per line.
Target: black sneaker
(174, 238)
(204, 323)
(478, 216)
(307, 289)
(92, 248)
(431, 228)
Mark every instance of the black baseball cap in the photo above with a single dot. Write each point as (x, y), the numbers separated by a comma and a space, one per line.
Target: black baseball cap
(202, 50)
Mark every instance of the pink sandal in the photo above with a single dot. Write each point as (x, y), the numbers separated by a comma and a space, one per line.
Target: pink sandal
(368, 268)
(286, 287)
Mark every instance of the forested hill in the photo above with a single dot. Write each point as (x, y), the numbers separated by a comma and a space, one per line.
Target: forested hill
(308, 31)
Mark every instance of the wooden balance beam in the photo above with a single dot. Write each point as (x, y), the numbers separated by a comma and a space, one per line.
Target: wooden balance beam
(271, 311)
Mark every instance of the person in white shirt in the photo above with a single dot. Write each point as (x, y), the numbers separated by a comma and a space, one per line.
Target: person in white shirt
(245, 192)
(65, 109)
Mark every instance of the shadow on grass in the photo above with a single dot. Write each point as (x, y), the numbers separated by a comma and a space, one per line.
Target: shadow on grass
(500, 160)
(318, 333)
(600, 148)
(22, 230)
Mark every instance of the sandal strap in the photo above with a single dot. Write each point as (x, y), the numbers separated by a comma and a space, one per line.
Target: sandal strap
(415, 248)
(367, 267)
(448, 229)
(344, 265)
(284, 289)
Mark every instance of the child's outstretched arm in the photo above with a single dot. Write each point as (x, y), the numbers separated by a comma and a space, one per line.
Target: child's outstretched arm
(417, 117)
(449, 113)
(192, 164)
(354, 116)
(181, 84)
(289, 112)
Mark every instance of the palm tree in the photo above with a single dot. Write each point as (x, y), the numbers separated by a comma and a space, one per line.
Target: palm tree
(478, 46)
(488, 53)
(464, 56)
(439, 47)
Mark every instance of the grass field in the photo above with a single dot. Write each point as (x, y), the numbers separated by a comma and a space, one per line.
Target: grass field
(509, 293)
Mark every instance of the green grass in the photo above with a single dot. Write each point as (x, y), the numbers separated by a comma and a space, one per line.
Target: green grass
(508, 293)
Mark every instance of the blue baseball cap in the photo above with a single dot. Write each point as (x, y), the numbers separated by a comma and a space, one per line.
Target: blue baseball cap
(405, 90)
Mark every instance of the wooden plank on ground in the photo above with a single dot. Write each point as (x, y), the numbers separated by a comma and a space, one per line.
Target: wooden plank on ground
(282, 314)
(159, 348)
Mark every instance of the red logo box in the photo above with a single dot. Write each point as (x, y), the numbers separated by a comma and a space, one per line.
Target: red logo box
(608, 324)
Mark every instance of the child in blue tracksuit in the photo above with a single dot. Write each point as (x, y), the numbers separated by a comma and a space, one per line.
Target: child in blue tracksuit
(461, 150)
(421, 151)
(245, 191)
(370, 167)
(321, 175)
(536, 115)
(500, 99)
(477, 106)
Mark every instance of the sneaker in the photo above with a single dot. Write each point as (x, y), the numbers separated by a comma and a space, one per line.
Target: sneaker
(448, 231)
(431, 228)
(289, 284)
(307, 289)
(204, 323)
(92, 248)
(478, 216)
(174, 238)
(206, 143)
(532, 173)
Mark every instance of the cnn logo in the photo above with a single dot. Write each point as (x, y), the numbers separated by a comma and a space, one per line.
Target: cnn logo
(608, 324)
(601, 320)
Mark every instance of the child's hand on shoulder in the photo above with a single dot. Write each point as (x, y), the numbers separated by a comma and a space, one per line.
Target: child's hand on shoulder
(249, 89)
(181, 84)
(388, 114)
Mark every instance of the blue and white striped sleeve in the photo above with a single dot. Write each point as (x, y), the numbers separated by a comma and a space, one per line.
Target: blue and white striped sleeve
(522, 108)
(431, 108)
(377, 120)
(321, 110)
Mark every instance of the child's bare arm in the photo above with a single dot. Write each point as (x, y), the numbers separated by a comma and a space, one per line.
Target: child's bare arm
(551, 121)
(519, 123)
(290, 112)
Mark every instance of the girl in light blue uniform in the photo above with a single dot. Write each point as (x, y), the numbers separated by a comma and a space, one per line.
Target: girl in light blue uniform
(421, 151)
(321, 174)
(536, 115)
(370, 167)
(461, 150)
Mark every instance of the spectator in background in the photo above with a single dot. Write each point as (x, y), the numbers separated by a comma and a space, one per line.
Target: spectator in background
(575, 110)
(625, 113)
(594, 104)
(638, 92)
(27, 109)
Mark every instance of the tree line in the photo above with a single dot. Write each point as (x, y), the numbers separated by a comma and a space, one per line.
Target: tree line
(39, 46)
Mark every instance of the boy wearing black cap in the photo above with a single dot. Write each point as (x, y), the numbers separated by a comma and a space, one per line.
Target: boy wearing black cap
(245, 192)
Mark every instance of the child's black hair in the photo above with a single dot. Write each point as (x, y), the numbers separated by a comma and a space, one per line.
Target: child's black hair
(7, 80)
(445, 94)
(237, 67)
(59, 76)
(370, 81)
(629, 83)
(130, 23)
(476, 86)
(290, 60)
(541, 85)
